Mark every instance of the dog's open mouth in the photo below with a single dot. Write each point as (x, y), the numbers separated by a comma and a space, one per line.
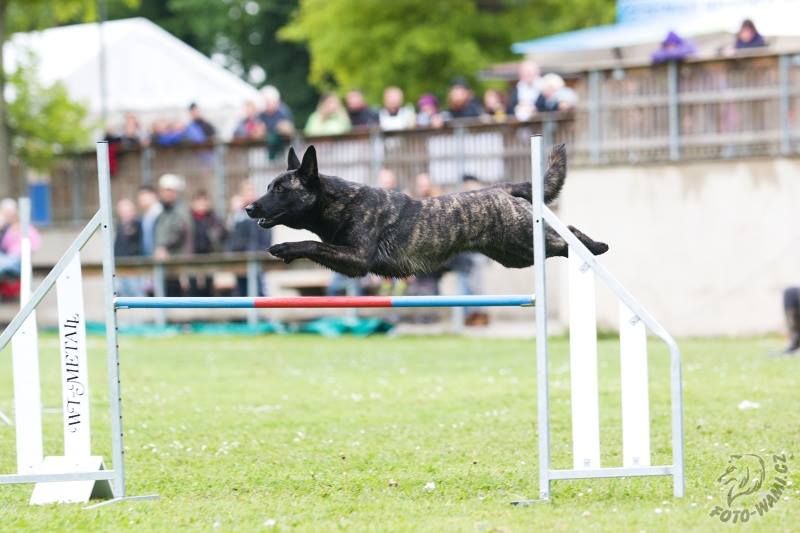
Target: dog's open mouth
(268, 221)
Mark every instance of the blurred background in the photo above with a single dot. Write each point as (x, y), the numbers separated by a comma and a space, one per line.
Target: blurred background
(680, 118)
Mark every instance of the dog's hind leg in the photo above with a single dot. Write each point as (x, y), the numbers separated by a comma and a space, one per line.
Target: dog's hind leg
(346, 260)
(556, 246)
(554, 178)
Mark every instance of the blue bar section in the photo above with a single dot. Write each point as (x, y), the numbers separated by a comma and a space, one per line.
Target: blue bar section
(505, 300)
(231, 302)
(478, 300)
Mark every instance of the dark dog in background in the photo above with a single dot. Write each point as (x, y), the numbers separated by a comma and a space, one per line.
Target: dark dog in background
(365, 229)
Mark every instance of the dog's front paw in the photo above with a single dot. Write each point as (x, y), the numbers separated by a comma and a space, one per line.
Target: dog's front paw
(287, 251)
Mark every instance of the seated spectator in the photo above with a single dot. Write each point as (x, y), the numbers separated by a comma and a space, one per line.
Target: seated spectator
(11, 239)
(522, 100)
(424, 187)
(555, 95)
(199, 130)
(208, 236)
(128, 234)
(330, 118)
(128, 243)
(361, 115)
(494, 108)
(166, 133)
(278, 120)
(131, 135)
(748, 36)
(251, 127)
(429, 115)
(208, 231)
(673, 48)
(245, 235)
(150, 207)
(460, 102)
(394, 115)
(387, 179)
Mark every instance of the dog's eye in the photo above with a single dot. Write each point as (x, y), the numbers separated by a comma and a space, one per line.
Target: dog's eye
(277, 188)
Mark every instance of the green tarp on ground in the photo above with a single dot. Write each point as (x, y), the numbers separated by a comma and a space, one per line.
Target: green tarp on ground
(326, 326)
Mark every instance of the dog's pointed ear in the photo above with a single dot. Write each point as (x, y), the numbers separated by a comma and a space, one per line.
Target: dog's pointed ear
(308, 170)
(293, 163)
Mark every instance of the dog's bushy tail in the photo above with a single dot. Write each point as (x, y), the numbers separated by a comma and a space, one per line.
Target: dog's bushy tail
(556, 173)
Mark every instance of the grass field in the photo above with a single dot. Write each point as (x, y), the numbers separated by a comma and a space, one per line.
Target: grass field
(310, 434)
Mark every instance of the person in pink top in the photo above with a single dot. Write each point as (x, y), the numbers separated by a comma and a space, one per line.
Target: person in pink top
(11, 239)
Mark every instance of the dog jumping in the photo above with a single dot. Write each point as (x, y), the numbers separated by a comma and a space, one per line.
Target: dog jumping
(365, 229)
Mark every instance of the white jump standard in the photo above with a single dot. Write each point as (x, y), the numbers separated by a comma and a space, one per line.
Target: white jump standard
(583, 267)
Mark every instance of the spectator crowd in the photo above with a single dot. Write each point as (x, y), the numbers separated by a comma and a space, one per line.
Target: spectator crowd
(271, 121)
(160, 224)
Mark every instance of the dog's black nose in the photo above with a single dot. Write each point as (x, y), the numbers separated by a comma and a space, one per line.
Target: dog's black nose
(251, 210)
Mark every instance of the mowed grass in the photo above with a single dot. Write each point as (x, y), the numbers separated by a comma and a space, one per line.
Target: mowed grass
(311, 434)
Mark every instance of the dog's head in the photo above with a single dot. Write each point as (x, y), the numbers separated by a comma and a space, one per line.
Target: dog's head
(292, 197)
(744, 475)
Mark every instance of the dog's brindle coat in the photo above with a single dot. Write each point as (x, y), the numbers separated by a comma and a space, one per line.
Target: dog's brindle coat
(366, 229)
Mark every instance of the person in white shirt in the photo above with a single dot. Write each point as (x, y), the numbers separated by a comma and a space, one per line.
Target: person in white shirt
(522, 101)
(394, 115)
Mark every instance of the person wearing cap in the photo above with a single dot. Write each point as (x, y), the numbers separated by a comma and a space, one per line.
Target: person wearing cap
(429, 115)
(748, 36)
(460, 102)
(173, 224)
(672, 48)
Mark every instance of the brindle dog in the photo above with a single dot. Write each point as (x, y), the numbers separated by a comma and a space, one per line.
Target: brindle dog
(366, 229)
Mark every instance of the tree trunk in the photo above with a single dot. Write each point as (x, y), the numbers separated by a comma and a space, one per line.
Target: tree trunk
(6, 188)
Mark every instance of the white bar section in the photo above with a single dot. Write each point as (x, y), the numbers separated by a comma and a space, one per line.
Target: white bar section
(25, 363)
(583, 365)
(74, 363)
(635, 389)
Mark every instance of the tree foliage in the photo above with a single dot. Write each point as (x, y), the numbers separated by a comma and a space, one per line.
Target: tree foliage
(422, 45)
(27, 15)
(243, 33)
(43, 121)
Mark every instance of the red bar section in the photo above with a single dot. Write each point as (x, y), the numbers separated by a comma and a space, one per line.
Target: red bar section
(268, 302)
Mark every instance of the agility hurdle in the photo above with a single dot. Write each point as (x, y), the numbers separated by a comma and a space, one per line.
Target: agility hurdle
(583, 269)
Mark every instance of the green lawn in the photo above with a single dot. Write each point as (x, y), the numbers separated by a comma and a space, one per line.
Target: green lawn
(311, 434)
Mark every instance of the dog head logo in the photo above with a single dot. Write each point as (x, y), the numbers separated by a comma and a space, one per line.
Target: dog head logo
(744, 475)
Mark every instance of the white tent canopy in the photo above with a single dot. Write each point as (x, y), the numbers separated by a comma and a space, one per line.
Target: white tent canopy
(148, 71)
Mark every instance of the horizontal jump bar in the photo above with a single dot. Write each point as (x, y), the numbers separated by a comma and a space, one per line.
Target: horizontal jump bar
(54, 477)
(313, 302)
(631, 471)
